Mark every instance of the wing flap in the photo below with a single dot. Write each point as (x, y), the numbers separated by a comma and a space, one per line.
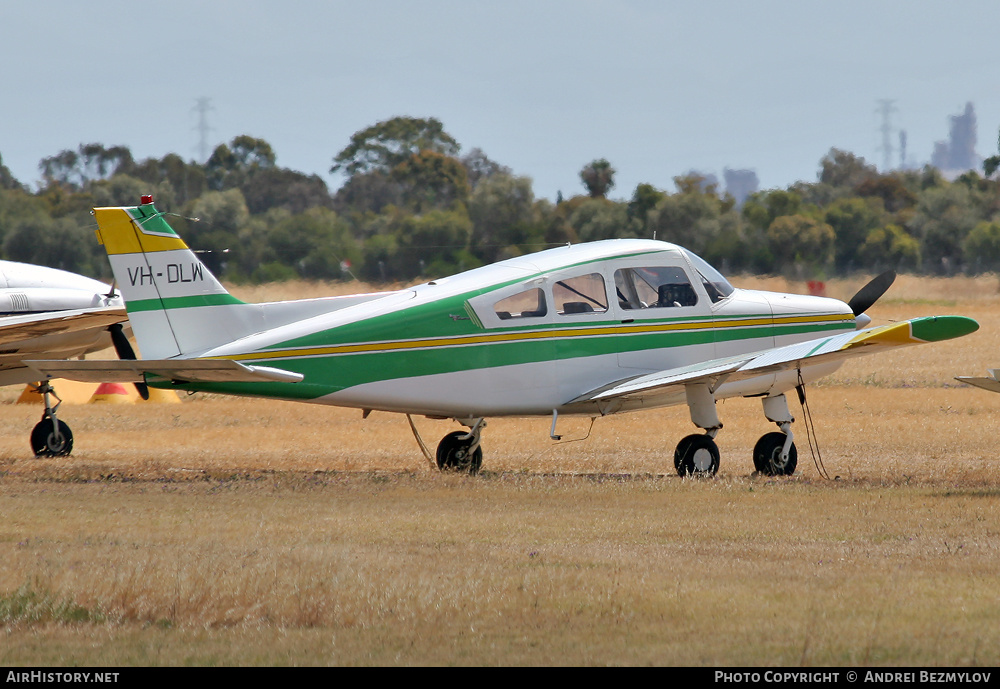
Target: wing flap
(662, 380)
(182, 370)
(818, 351)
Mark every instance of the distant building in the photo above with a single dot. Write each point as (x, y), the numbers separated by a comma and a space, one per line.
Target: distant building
(958, 153)
(740, 183)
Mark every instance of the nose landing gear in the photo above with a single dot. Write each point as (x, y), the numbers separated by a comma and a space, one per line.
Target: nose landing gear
(775, 453)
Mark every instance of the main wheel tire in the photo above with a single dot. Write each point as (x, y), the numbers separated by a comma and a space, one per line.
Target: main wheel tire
(453, 454)
(44, 442)
(696, 455)
(767, 456)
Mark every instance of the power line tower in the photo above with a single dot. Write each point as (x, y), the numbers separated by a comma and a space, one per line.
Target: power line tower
(202, 106)
(886, 107)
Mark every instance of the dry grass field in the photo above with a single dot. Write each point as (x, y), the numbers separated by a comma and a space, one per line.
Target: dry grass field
(244, 532)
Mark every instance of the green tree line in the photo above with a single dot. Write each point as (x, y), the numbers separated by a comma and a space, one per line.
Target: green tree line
(413, 205)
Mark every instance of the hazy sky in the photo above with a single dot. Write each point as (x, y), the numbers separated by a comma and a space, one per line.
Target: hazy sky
(657, 88)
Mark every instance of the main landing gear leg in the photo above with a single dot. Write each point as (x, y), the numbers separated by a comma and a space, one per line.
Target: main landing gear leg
(698, 455)
(775, 453)
(50, 436)
(461, 451)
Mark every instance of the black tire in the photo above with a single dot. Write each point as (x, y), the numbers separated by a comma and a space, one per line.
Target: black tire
(696, 455)
(44, 442)
(767, 456)
(453, 454)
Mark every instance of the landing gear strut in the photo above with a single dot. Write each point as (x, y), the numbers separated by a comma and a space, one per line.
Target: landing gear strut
(698, 455)
(775, 453)
(460, 451)
(50, 436)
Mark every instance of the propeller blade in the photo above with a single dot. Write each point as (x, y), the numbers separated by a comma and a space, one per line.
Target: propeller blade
(125, 352)
(870, 293)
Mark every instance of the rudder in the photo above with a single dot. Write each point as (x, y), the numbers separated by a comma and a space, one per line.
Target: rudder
(175, 305)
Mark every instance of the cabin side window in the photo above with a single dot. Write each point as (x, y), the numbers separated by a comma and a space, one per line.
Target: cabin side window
(654, 287)
(580, 294)
(527, 304)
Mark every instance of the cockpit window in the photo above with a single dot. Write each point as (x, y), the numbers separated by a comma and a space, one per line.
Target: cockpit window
(527, 304)
(718, 287)
(580, 294)
(654, 287)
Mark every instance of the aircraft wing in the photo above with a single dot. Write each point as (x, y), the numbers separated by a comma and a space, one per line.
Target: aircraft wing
(185, 370)
(14, 329)
(992, 383)
(818, 351)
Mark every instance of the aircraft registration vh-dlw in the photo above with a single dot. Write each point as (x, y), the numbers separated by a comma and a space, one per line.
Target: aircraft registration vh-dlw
(591, 329)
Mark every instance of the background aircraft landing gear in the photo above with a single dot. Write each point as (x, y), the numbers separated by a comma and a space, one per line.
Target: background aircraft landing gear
(50, 437)
(696, 455)
(460, 451)
(767, 456)
(45, 442)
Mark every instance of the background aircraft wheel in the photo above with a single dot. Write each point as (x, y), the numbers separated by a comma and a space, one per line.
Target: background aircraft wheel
(453, 454)
(44, 442)
(696, 455)
(767, 456)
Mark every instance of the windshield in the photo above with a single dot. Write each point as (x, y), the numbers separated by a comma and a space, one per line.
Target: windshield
(718, 287)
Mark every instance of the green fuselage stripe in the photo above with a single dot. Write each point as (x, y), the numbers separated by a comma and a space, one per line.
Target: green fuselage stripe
(328, 370)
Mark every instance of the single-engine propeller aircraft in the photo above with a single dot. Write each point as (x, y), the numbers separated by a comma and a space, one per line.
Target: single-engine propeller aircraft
(591, 329)
(53, 313)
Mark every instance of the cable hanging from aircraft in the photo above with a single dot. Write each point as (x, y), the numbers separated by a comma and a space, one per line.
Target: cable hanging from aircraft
(811, 438)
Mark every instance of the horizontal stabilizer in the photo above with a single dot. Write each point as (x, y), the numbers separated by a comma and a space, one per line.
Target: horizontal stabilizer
(181, 370)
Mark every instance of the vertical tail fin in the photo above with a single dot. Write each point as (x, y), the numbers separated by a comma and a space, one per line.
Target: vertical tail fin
(176, 306)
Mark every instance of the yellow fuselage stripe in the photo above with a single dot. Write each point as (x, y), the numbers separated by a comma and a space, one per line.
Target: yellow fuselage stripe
(535, 335)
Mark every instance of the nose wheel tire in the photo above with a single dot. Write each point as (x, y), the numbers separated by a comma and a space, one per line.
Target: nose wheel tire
(767, 456)
(696, 455)
(453, 454)
(45, 442)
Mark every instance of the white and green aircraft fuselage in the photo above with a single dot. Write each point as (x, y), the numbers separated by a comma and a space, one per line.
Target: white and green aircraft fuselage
(593, 329)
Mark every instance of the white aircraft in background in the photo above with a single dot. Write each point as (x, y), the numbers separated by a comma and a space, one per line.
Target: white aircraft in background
(591, 329)
(54, 313)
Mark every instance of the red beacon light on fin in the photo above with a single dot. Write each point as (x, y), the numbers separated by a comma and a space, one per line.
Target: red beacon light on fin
(146, 199)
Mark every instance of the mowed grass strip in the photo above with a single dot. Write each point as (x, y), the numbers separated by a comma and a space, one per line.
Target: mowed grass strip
(502, 569)
(229, 531)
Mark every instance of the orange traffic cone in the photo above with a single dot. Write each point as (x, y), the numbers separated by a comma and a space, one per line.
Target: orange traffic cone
(114, 393)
